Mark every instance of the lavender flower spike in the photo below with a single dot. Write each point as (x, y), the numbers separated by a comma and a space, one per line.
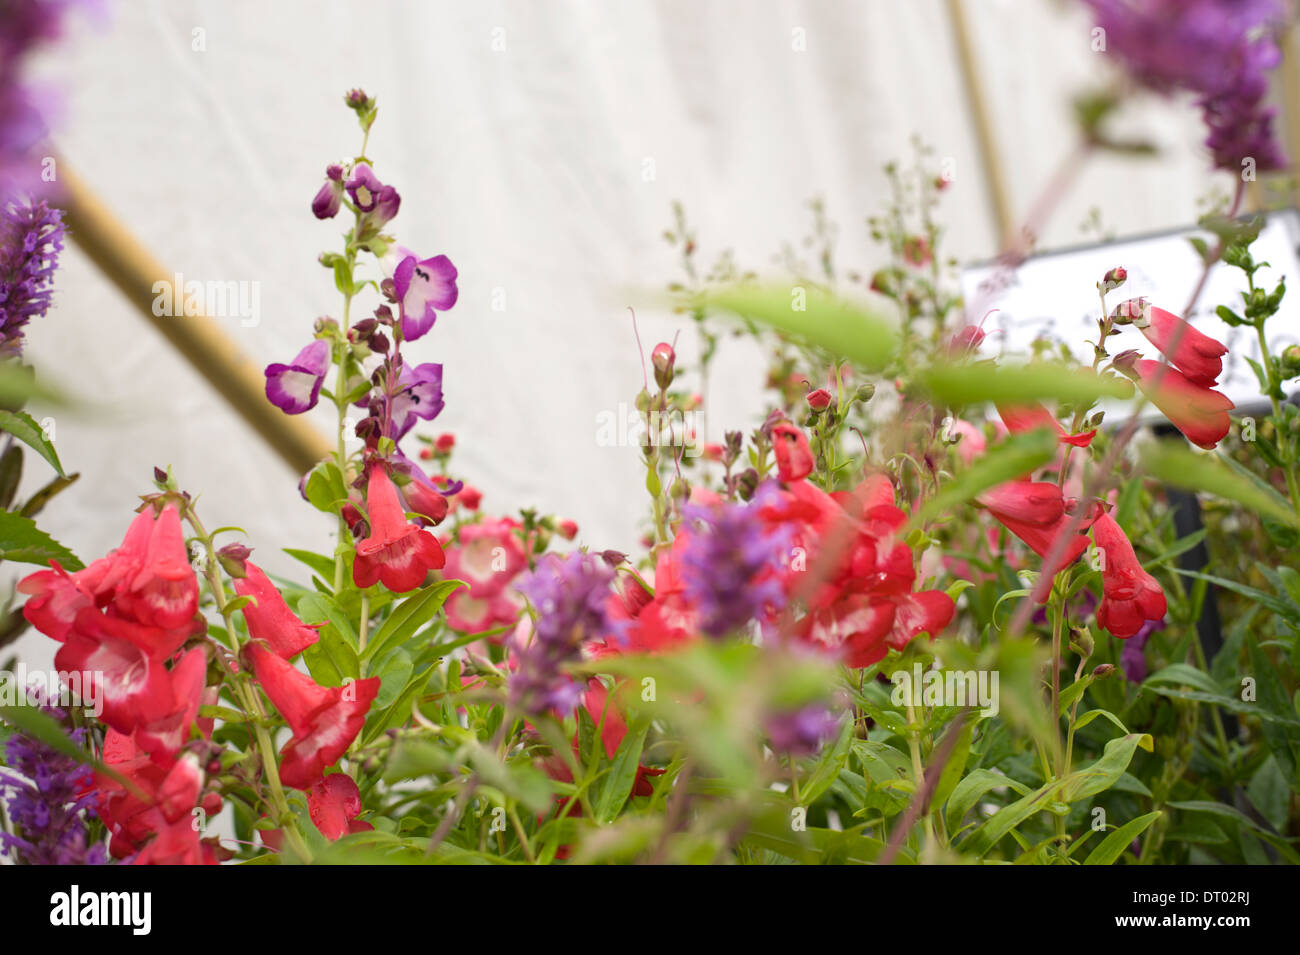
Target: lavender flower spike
(571, 597)
(46, 799)
(731, 560)
(31, 238)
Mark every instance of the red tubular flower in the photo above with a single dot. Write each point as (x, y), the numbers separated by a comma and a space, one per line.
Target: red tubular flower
(794, 459)
(1020, 418)
(334, 804)
(1198, 356)
(147, 580)
(1130, 596)
(163, 737)
(160, 589)
(269, 617)
(324, 720)
(124, 662)
(397, 552)
(1037, 513)
(1199, 412)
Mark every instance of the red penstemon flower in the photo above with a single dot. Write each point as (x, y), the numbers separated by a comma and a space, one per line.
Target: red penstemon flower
(1198, 356)
(1130, 596)
(1020, 418)
(397, 553)
(324, 720)
(269, 617)
(1038, 513)
(1200, 413)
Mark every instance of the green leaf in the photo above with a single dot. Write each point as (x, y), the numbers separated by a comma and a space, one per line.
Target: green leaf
(956, 385)
(321, 565)
(325, 488)
(843, 328)
(23, 541)
(1078, 785)
(1180, 674)
(393, 673)
(1179, 466)
(1283, 608)
(968, 792)
(1015, 457)
(409, 616)
(24, 427)
(617, 786)
(1113, 846)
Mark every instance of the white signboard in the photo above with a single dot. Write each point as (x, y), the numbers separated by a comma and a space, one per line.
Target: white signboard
(1054, 296)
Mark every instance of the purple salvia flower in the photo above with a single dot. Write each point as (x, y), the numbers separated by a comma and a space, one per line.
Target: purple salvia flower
(46, 796)
(571, 596)
(25, 25)
(802, 731)
(31, 238)
(295, 388)
(1219, 50)
(731, 564)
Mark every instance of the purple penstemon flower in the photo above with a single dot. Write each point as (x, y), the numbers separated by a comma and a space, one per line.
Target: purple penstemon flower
(730, 563)
(423, 288)
(48, 795)
(418, 397)
(295, 388)
(31, 238)
(377, 202)
(329, 199)
(571, 596)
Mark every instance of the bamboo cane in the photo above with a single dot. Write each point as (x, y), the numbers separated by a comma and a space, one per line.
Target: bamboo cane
(994, 177)
(132, 268)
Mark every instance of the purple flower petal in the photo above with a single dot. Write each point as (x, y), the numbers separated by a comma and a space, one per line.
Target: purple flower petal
(295, 388)
(423, 289)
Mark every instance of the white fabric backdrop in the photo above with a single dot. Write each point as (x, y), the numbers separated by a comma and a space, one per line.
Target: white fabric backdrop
(525, 167)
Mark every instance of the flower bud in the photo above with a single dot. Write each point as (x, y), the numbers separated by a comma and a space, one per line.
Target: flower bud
(819, 400)
(1131, 312)
(747, 483)
(444, 443)
(470, 497)
(663, 358)
(1290, 363)
(1102, 671)
(232, 558)
(567, 529)
(1114, 278)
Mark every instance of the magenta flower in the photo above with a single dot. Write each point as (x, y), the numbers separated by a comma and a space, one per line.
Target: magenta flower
(295, 388)
(423, 289)
(377, 202)
(330, 197)
(419, 396)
